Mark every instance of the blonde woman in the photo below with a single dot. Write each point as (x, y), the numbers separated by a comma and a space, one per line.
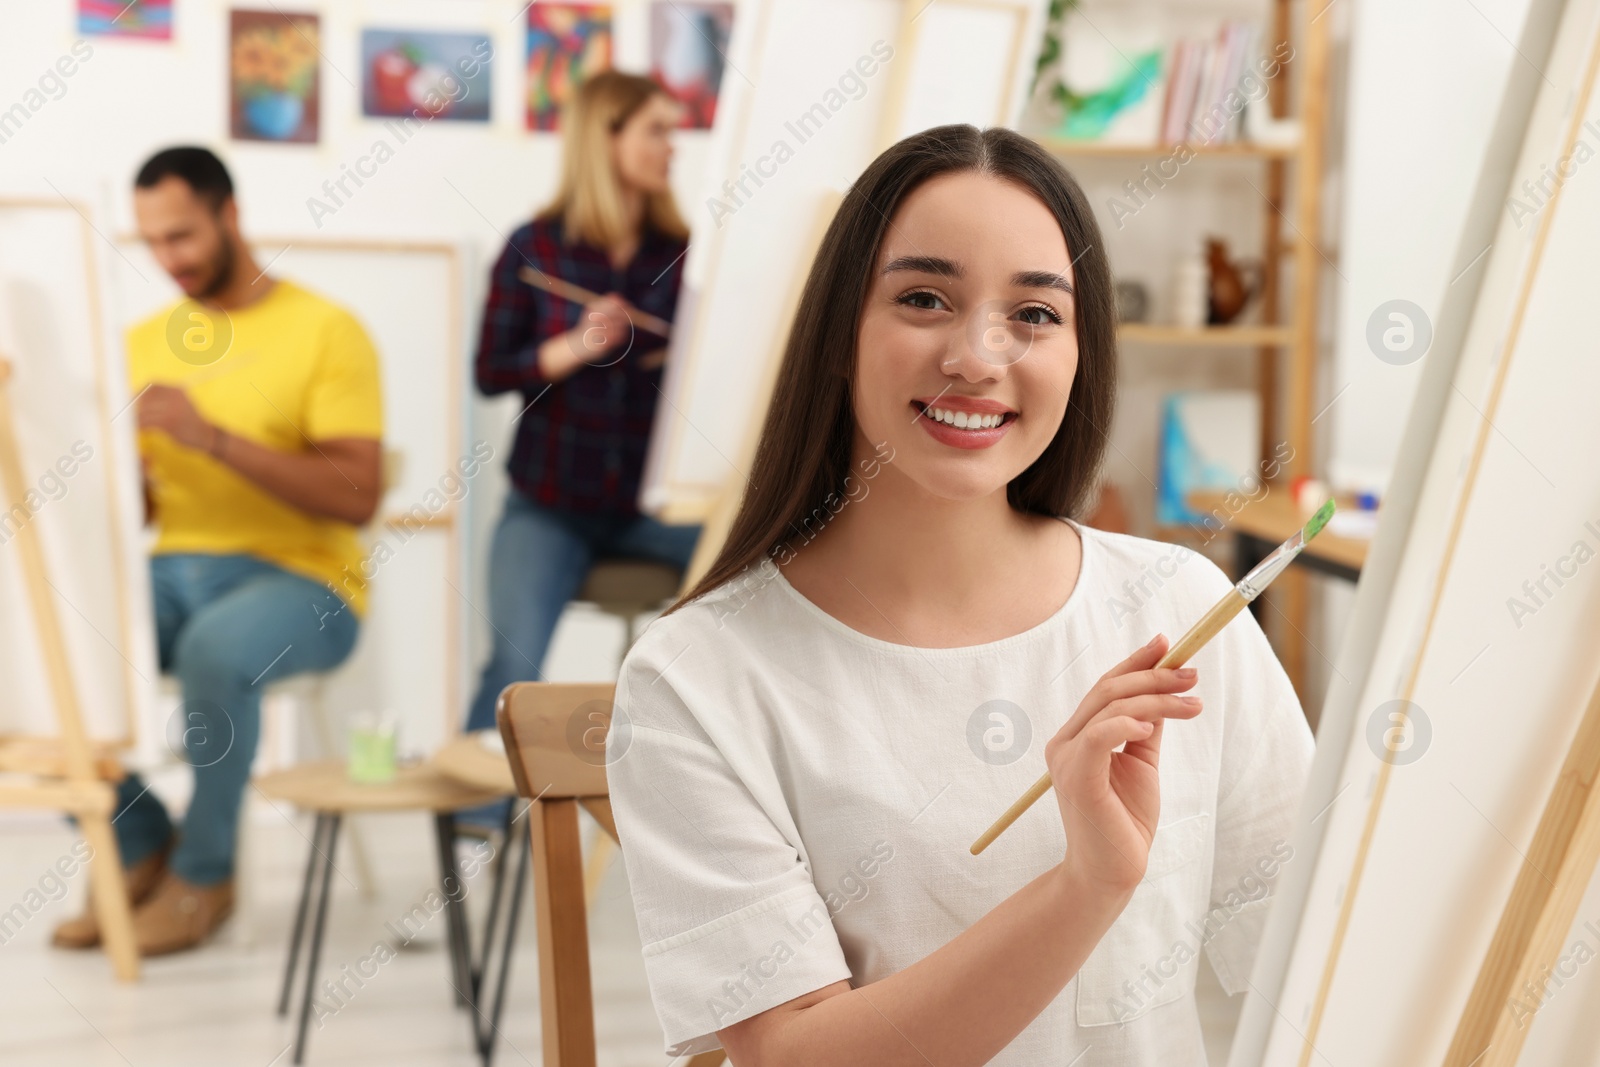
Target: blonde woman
(586, 374)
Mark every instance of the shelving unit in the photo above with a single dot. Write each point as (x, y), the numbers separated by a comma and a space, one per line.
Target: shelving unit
(1151, 334)
(1285, 339)
(1240, 149)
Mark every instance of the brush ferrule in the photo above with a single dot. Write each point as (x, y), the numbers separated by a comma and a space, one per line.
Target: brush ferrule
(1262, 574)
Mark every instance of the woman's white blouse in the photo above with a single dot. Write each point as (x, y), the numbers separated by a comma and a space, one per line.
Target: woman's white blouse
(796, 799)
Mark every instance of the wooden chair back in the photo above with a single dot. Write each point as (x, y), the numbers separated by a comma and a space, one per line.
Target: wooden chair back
(555, 742)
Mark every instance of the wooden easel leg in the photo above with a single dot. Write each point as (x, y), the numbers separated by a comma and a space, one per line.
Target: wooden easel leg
(111, 907)
(1559, 865)
(90, 798)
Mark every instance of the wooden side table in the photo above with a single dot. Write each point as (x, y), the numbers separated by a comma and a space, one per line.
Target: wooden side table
(470, 761)
(323, 787)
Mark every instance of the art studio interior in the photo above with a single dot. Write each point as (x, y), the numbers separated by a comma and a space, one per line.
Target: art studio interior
(798, 532)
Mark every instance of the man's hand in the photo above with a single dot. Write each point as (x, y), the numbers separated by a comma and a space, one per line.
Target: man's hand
(336, 478)
(169, 409)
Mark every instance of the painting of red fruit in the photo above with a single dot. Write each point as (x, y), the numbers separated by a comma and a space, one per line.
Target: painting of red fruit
(425, 74)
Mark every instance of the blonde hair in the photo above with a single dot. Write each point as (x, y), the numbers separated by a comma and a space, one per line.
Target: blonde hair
(589, 200)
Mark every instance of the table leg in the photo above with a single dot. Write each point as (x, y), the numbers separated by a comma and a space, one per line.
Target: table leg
(496, 894)
(300, 910)
(488, 1037)
(317, 928)
(454, 906)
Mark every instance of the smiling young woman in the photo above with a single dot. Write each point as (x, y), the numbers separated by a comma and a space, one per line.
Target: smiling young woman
(806, 743)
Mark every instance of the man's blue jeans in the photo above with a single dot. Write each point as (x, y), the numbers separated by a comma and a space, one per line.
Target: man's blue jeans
(226, 626)
(537, 563)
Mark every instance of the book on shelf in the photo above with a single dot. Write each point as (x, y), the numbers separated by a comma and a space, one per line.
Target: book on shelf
(1217, 86)
(1126, 81)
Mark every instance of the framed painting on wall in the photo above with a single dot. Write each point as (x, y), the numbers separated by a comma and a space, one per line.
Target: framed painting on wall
(566, 43)
(425, 74)
(689, 54)
(273, 76)
(149, 19)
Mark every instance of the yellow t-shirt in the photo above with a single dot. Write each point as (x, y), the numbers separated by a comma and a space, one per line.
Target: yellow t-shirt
(293, 366)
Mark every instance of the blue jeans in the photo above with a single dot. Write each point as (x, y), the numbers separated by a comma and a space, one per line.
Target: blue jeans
(226, 626)
(537, 563)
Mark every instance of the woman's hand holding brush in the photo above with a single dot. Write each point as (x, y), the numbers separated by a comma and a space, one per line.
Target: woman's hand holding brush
(1111, 801)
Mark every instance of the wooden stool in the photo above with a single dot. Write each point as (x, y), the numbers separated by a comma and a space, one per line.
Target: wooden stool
(627, 588)
(324, 788)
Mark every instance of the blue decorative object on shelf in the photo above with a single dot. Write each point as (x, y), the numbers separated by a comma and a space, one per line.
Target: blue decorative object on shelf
(1208, 441)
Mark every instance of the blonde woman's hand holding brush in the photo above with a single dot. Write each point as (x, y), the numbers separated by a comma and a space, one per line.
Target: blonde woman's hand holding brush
(1110, 801)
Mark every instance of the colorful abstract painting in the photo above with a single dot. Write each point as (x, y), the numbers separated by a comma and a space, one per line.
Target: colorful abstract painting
(566, 43)
(151, 19)
(425, 74)
(273, 78)
(688, 53)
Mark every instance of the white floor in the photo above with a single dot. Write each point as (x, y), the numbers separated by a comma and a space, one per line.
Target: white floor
(216, 1007)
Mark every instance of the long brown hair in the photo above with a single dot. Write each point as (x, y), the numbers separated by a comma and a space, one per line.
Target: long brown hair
(796, 467)
(589, 199)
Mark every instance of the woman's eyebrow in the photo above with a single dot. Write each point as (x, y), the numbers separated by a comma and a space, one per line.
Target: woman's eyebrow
(1041, 279)
(949, 268)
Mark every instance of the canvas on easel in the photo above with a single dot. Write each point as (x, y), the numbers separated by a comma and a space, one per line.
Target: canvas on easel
(1455, 749)
(76, 641)
(79, 464)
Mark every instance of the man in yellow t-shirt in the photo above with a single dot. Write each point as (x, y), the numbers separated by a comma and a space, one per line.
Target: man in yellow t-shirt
(260, 424)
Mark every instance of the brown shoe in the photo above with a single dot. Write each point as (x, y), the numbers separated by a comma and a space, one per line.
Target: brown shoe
(180, 915)
(141, 880)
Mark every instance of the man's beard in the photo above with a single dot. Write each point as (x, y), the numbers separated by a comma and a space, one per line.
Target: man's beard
(222, 269)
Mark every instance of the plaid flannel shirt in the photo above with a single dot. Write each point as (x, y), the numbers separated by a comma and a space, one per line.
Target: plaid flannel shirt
(580, 442)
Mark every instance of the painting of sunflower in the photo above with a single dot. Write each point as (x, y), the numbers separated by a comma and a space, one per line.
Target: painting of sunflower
(274, 78)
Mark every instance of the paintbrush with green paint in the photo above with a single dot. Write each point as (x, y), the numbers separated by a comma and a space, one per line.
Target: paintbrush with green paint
(1210, 624)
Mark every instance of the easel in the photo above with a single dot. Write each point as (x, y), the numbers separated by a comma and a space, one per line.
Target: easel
(1544, 900)
(66, 775)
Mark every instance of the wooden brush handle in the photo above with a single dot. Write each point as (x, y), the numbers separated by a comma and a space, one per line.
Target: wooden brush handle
(1210, 624)
(579, 295)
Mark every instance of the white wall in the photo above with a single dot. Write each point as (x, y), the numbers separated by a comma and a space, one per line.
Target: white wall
(132, 97)
(1425, 80)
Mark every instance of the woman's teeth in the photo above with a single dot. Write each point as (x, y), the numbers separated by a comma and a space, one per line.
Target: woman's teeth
(961, 420)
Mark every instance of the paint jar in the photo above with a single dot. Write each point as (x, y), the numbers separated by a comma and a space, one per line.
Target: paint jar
(372, 748)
